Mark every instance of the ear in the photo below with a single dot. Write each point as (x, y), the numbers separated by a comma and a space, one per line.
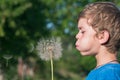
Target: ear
(103, 36)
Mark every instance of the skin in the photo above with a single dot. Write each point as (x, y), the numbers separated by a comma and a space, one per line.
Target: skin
(89, 44)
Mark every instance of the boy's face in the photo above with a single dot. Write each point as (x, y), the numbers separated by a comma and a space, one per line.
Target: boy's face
(87, 42)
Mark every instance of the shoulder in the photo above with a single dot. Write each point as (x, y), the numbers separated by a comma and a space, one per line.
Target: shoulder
(109, 72)
(105, 72)
(111, 67)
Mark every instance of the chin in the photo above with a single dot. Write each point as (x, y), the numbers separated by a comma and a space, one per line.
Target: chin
(85, 53)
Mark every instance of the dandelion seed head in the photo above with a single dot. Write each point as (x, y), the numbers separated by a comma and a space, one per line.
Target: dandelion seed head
(7, 56)
(47, 47)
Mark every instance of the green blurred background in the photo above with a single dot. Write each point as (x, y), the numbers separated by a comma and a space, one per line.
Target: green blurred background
(24, 22)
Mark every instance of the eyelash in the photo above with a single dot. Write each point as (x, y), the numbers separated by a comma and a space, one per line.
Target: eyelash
(82, 31)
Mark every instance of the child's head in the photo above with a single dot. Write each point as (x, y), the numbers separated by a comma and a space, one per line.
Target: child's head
(104, 16)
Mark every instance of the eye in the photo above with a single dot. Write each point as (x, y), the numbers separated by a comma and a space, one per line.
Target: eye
(81, 31)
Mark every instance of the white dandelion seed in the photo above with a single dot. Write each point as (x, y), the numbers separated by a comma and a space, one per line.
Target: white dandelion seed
(7, 57)
(47, 48)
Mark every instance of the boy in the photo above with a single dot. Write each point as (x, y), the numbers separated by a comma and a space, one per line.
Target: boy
(99, 35)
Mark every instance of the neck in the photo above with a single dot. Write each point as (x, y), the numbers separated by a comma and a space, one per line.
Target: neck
(105, 57)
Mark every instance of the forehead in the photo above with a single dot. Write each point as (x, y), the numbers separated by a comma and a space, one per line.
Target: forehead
(83, 23)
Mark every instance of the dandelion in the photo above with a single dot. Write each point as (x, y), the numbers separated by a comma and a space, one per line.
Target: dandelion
(49, 49)
(7, 57)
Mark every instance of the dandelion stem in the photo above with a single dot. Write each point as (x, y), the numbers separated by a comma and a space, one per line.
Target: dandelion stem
(51, 66)
(7, 63)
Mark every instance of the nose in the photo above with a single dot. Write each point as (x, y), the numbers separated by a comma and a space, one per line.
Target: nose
(77, 36)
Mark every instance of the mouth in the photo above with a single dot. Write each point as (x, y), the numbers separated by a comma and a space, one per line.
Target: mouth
(76, 46)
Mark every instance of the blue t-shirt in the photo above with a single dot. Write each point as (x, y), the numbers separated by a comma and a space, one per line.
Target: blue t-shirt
(110, 71)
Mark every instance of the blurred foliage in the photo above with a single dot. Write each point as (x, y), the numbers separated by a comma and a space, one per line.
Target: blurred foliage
(24, 22)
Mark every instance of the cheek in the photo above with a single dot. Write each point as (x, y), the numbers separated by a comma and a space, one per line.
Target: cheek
(86, 44)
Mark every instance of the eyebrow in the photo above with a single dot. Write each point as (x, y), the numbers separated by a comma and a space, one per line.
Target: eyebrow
(80, 27)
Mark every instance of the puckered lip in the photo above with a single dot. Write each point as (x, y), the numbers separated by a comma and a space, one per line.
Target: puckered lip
(76, 45)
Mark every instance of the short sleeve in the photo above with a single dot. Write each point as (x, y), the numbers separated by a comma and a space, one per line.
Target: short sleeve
(108, 74)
